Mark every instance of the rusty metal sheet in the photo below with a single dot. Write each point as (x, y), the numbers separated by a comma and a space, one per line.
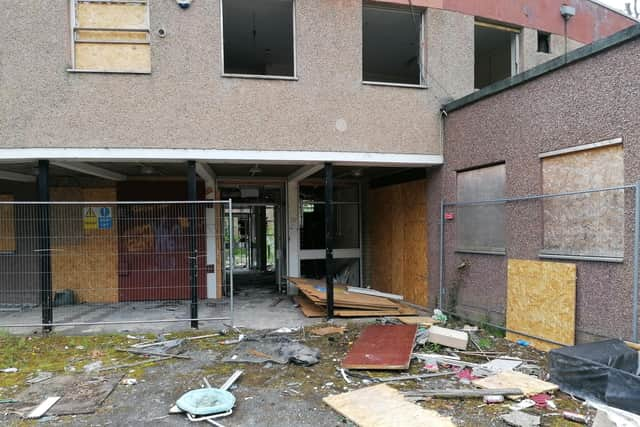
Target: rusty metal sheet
(382, 347)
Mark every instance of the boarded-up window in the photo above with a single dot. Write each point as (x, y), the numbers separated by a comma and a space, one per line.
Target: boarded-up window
(480, 227)
(7, 224)
(589, 224)
(111, 36)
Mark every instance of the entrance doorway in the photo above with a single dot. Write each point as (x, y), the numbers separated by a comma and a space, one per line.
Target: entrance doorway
(257, 240)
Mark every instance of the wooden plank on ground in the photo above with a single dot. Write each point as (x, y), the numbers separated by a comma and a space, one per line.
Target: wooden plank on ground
(308, 308)
(42, 408)
(510, 379)
(541, 301)
(402, 311)
(383, 406)
(315, 291)
(382, 347)
(418, 320)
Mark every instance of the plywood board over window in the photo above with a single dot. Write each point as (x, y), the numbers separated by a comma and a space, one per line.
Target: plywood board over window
(589, 224)
(111, 37)
(7, 224)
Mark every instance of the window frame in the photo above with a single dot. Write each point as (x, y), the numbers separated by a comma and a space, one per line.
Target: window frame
(483, 250)
(73, 29)
(294, 77)
(540, 33)
(422, 43)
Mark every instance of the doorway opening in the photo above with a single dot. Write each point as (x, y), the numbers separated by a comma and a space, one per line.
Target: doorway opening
(257, 241)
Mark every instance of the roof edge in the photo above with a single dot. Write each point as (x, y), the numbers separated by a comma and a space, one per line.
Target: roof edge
(615, 10)
(577, 55)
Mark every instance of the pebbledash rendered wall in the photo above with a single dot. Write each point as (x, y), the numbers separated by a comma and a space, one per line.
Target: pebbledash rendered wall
(590, 100)
(185, 103)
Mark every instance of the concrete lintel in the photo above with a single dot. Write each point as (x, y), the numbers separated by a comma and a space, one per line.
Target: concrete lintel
(207, 173)
(305, 172)
(19, 177)
(90, 170)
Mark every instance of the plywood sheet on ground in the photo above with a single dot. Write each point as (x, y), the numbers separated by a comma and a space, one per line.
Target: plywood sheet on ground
(541, 301)
(383, 406)
(315, 290)
(309, 309)
(418, 320)
(382, 347)
(398, 233)
(510, 379)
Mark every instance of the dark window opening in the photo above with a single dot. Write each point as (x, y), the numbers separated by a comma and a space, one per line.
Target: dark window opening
(544, 42)
(494, 58)
(391, 51)
(258, 37)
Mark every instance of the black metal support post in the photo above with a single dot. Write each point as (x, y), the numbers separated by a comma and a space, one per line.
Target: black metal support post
(46, 293)
(329, 234)
(193, 251)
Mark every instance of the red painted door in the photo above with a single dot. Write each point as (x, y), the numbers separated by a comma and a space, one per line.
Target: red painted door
(154, 243)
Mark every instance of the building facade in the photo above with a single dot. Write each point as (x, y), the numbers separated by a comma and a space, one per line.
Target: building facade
(117, 97)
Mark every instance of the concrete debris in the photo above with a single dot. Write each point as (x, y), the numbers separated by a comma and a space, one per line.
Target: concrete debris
(448, 337)
(521, 419)
(42, 376)
(279, 349)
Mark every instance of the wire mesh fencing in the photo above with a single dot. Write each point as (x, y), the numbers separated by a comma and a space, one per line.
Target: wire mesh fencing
(500, 263)
(86, 263)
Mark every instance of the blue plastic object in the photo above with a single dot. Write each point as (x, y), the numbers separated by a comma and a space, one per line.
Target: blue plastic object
(206, 401)
(523, 343)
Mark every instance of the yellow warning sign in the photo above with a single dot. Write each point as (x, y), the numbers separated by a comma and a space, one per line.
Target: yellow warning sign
(89, 219)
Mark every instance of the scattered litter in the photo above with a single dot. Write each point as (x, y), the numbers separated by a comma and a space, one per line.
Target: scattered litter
(523, 404)
(9, 370)
(129, 381)
(42, 376)
(166, 346)
(144, 352)
(383, 406)
(466, 374)
(328, 330)
(278, 349)
(417, 320)
(502, 364)
(462, 393)
(492, 398)
(285, 331)
(382, 347)
(344, 376)
(240, 338)
(523, 343)
(411, 377)
(79, 347)
(42, 408)
(130, 365)
(541, 399)
(431, 365)
(575, 417)
(469, 328)
(509, 379)
(4, 401)
(521, 419)
(422, 336)
(448, 337)
(604, 371)
(93, 366)
(439, 316)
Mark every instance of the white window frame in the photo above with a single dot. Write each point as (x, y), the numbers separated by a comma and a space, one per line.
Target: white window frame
(259, 76)
(73, 27)
(421, 59)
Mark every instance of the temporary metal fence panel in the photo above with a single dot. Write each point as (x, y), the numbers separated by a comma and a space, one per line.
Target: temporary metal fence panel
(99, 263)
(589, 228)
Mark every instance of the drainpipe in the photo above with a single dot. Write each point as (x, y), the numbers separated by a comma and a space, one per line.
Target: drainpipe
(193, 251)
(329, 232)
(636, 255)
(46, 292)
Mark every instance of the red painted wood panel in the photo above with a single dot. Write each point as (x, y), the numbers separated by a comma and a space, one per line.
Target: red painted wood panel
(382, 347)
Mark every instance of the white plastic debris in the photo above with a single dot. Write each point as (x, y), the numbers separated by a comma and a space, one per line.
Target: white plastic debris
(523, 404)
(129, 381)
(9, 370)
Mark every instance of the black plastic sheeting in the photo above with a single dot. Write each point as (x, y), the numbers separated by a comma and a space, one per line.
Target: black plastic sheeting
(605, 371)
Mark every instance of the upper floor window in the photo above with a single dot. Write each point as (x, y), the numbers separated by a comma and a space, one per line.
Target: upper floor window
(497, 52)
(392, 45)
(258, 37)
(110, 36)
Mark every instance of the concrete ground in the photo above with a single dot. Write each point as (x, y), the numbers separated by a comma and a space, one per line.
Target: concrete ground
(253, 309)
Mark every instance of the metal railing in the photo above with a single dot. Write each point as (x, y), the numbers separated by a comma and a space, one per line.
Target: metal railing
(112, 262)
(597, 229)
